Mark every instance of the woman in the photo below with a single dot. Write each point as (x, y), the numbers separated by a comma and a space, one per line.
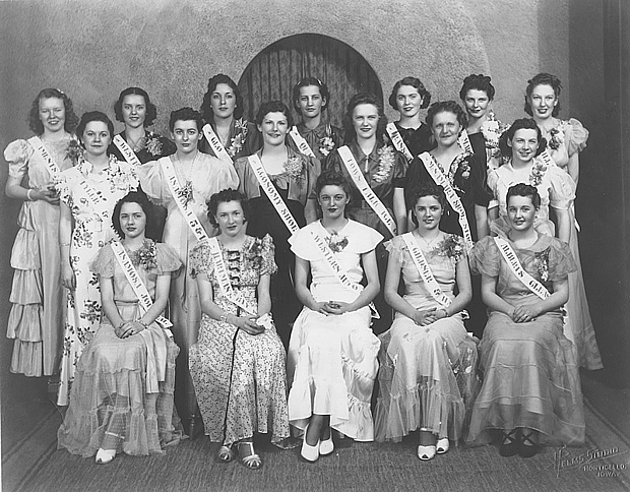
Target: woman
(186, 179)
(88, 192)
(36, 317)
(237, 365)
(122, 395)
(290, 178)
(332, 354)
(222, 109)
(408, 97)
(310, 99)
(566, 139)
(531, 388)
(426, 353)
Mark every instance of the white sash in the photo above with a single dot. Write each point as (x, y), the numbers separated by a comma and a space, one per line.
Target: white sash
(216, 145)
(425, 270)
(51, 165)
(512, 260)
(547, 159)
(97, 199)
(398, 141)
(362, 185)
(301, 143)
(223, 279)
(187, 212)
(438, 176)
(271, 192)
(129, 155)
(464, 141)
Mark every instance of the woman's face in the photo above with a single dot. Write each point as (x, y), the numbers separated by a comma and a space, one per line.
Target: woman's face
(524, 144)
(274, 128)
(543, 100)
(223, 101)
(445, 128)
(521, 213)
(365, 120)
(96, 138)
(428, 212)
(186, 136)
(134, 110)
(333, 200)
(311, 101)
(230, 218)
(408, 101)
(52, 113)
(133, 220)
(476, 103)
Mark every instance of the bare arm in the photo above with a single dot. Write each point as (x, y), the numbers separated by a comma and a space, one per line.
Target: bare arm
(491, 298)
(564, 224)
(264, 297)
(400, 211)
(481, 217)
(14, 189)
(310, 210)
(302, 268)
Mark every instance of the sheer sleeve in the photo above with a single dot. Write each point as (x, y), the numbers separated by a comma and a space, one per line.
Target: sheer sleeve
(493, 180)
(561, 261)
(167, 259)
(485, 258)
(576, 137)
(17, 155)
(269, 266)
(104, 262)
(396, 248)
(562, 191)
(153, 182)
(200, 261)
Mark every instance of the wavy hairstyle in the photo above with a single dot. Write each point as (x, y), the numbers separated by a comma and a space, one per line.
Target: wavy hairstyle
(94, 116)
(273, 107)
(543, 79)
(224, 196)
(525, 190)
(185, 114)
(521, 124)
(36, 125)
(332, 178)
(151, 113)
(425, 189)
(141, 199)
(206, 105)
(478, 82)
(413, 82)
(447, 107)
(357, 100)
(306, 82)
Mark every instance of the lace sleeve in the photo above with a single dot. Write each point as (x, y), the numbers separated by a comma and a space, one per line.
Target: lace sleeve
(485, 258)
(561, 261)
(200, 260)
(396, 248)
(17, 155)
(268, 266)
(103, 263)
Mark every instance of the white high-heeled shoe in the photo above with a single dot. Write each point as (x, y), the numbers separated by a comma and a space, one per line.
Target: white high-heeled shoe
(442, 445)
(426, 453)
(327, 446)
(104, 456)
(309, 453)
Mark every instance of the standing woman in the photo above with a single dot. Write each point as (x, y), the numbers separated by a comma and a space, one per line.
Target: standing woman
(88, 192)
(185, 180)
(35, 321)
(288, 179)
(222, 109)
(566, 139)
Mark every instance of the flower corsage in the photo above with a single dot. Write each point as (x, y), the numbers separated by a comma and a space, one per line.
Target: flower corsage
(146, 256)
(452, 246)
(295, 168)
(153, 144)
(74, 152)
(539, 168)
(326, 143)
(337, 243)
(556, 138)
(541, 260)
(237, 142)
(385, 163)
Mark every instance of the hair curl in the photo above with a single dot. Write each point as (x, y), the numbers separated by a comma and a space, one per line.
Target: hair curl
(141, 199)
(71, 119)
(206, 104)
(447, 107)
(413, 82)
(185, 114)
(525, 190)
(478, 82)
(332, 178)
(273, 107)
(94, 116)
(306, 82)
(521, 124)
(224, 196)
(425, 189)
(543, 79)
(151, 113)
(357, 100)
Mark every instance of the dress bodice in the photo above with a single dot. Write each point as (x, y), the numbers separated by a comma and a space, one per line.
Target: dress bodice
(243, 139)
(152, 146)
(323, 139)
(565, 139)
(24, 160)
(417, 140)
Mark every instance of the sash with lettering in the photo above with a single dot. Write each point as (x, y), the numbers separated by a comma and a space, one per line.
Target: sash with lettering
(98, 199)
(223, 278)
(464, 141)
(125, 150)
(362, 185)
(425, 270)
(51, 165)
(440, 178)
(215, 144)
(270, 190)
(398, 141)
(301, 142)
(334, 265)
(175, 188)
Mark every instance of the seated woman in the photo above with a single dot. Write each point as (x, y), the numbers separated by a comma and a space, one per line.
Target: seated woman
(426, 352)
(332, 352)
(531, 388)
(122, 395)
(237, 364)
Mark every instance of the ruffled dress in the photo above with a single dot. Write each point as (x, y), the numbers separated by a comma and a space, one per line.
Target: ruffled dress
(123, 388)
(36, 318)
(427, 376)
(530, 373)
(239, 379)
(332, 360)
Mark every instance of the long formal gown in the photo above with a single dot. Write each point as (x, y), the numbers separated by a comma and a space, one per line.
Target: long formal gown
(530, 373)
(207, 175)
(332, 360)
(123, 388)
(427, 376)
(36, 318)
(92, 230)
(240, 379)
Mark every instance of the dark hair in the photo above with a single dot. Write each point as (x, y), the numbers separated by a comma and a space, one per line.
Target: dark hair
(308, 81)
(185, 114)
(273, 107)
(36, 125)
(414, 82)
(151, 114)
(224, 196)
(332, 178)
(357, 100)
(141, 199)
(425, 189)
(206, 105)
(524, 189)
(447, 107)
(521, 124)
(94, 116)
(478, 82)
(543, 79)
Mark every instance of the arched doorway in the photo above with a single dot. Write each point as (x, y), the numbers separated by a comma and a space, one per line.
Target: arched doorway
(275, 70)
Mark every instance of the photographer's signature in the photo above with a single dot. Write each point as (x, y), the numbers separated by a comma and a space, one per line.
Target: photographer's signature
(564, 460)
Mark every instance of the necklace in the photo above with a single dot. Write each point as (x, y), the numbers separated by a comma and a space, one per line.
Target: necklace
(137, 144)
(427, 243)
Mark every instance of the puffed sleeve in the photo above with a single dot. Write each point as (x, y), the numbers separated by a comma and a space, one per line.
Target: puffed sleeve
(200, 260)
(303, 245)
(399, 177)
(576, 136)
(561, 261)
(221, 175)
(396, 248)
(104, 262)
(269, 266)
(153, 182)
(493, 180)
(167, 259)
(17, 155)
(485, 258)
(562, 190)
(362, 238)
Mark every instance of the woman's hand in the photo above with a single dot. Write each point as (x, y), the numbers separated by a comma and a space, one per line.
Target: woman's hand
(335, 307)
(427, 316)
(129, 329)
(248, 324)
(523, 314)
(47, 195)
(68, 279)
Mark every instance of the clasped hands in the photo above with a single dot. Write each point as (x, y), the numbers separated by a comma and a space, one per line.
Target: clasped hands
(525, 313)
(331, 307)
(253, 325)
(427, 316)
(129, 328)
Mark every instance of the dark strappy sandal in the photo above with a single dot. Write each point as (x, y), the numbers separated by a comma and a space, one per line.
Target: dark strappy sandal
(510, 443)
(531, 448)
